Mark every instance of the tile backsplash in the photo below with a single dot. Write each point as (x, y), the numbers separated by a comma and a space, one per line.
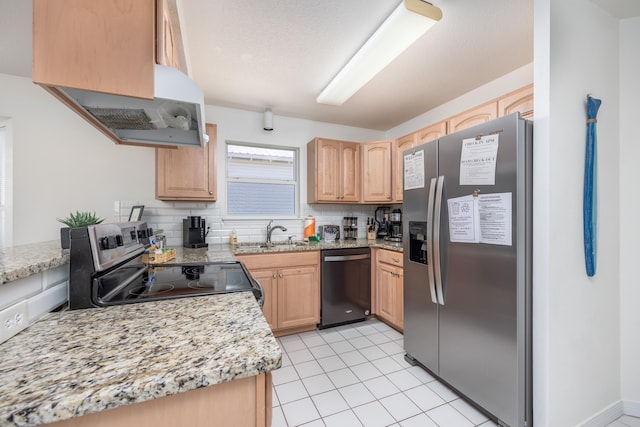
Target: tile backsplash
(168, 216)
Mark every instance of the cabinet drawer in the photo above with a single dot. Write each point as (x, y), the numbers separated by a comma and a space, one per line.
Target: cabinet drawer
(390, 257)
(280, 261)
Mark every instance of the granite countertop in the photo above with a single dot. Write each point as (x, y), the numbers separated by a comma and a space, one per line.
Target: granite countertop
(213, 253)
(255, 247)
(78, 362)
(18, 262)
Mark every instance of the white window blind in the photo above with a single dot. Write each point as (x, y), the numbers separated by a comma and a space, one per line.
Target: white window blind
(261, 180)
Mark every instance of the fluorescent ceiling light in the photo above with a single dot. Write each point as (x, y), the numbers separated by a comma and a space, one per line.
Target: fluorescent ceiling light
(408, 22)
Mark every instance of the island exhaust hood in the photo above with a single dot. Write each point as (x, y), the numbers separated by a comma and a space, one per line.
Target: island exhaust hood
(174, 117)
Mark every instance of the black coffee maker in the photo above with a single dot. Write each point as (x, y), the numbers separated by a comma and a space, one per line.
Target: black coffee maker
(194, 233)
(396, 226)
(382, 218)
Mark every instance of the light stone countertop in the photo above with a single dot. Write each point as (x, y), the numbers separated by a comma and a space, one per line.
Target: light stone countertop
(18, 262)
(78, 362)
(254, 247)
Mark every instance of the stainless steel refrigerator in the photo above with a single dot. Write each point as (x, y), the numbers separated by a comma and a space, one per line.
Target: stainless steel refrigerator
(467, 264)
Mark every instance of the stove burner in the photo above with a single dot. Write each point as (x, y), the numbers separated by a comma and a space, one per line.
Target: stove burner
(192, 272)
(151, 290)
(199, 285)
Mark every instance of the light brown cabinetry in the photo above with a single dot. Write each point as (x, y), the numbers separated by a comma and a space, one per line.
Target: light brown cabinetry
(376, 167)
(426, 134)
(333, 171)
(389, 288)
(399, 145)
(520, 100)
(242, 402)
(169, 50)
(291, 283)
(475, 116)
(103, 46)
(187, 173)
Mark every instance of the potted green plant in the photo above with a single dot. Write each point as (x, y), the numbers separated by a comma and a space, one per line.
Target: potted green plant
(76, 220)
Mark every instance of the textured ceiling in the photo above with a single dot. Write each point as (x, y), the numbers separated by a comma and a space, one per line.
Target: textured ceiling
(282, 53)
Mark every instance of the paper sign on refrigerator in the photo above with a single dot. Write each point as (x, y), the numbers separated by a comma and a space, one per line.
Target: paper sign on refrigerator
(478, 160)
(485, 218)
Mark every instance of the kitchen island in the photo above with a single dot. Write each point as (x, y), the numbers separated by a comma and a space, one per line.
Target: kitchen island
(98, 362)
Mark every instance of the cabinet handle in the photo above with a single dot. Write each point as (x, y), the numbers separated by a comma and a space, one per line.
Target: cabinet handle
(281, 275)
(211, 193)
(275, 276)
(396, 260)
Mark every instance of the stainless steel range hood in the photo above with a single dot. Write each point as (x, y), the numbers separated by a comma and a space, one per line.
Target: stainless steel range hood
(174, 117)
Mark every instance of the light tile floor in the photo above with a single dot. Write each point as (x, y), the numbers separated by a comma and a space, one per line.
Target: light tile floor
(356, 375)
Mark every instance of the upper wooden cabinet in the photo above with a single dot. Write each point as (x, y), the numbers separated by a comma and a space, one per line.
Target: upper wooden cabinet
(169, 49)
(187, 173)
(401, 144)
(475, 116)
(104, 46)
(333, 171)
(376, 166)
(520, 100)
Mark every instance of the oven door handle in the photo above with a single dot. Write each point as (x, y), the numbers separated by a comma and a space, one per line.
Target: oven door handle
(261, 290)
(124, 284)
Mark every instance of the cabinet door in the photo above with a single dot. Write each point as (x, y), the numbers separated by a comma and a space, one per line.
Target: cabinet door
(169, 50)
(376, 165)
(521, 100)
(298, 296)
(187, 173)
(387, 304)
(399, 318)
(269, 281)
(431, 133)
(350, 174)
(401, 144)
(475, 116)
(103, 46)
(327, 170)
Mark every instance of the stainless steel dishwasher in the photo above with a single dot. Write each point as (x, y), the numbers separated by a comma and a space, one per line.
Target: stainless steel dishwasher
(345, 286)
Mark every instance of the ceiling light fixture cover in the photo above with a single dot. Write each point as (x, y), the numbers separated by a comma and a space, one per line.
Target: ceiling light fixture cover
(268, 119)
(408, 22)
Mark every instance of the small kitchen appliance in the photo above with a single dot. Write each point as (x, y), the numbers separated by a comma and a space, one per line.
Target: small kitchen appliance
(105, 269)
(382, 219)
(194, 232)
(396, 226)
(329, 233)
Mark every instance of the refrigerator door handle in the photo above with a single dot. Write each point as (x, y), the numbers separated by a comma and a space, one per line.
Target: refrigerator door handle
(430, 273)
(436, 241)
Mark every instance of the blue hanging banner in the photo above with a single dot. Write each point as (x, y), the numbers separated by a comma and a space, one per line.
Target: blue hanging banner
(590, 203)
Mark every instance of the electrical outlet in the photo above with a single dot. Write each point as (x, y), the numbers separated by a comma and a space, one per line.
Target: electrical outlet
(13, 320)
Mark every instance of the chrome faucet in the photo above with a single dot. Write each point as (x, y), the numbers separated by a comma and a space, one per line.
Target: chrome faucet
(270, 230)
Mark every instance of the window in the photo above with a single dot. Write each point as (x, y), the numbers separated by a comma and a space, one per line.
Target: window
(261, 180)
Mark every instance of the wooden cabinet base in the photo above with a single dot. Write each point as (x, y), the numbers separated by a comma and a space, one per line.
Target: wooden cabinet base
(243, 402)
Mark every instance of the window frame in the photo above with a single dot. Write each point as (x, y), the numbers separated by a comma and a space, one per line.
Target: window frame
(296, 181)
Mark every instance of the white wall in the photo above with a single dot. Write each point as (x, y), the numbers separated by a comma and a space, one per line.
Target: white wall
(62, 164)
(498, 87)
(629, 212)
(576, 318)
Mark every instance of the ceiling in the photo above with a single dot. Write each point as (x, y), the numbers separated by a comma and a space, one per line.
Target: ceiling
(281, 53)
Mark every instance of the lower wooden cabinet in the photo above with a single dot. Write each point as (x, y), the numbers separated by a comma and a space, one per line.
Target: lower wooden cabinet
(291, 283)
(389, 288)
(242, 402)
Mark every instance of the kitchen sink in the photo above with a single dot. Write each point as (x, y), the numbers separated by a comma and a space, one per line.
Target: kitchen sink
(274, 246)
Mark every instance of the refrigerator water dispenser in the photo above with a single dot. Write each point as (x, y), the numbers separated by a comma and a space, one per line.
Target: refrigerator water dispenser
(418, 241)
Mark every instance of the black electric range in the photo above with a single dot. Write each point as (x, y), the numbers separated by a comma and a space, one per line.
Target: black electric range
(105, 270)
